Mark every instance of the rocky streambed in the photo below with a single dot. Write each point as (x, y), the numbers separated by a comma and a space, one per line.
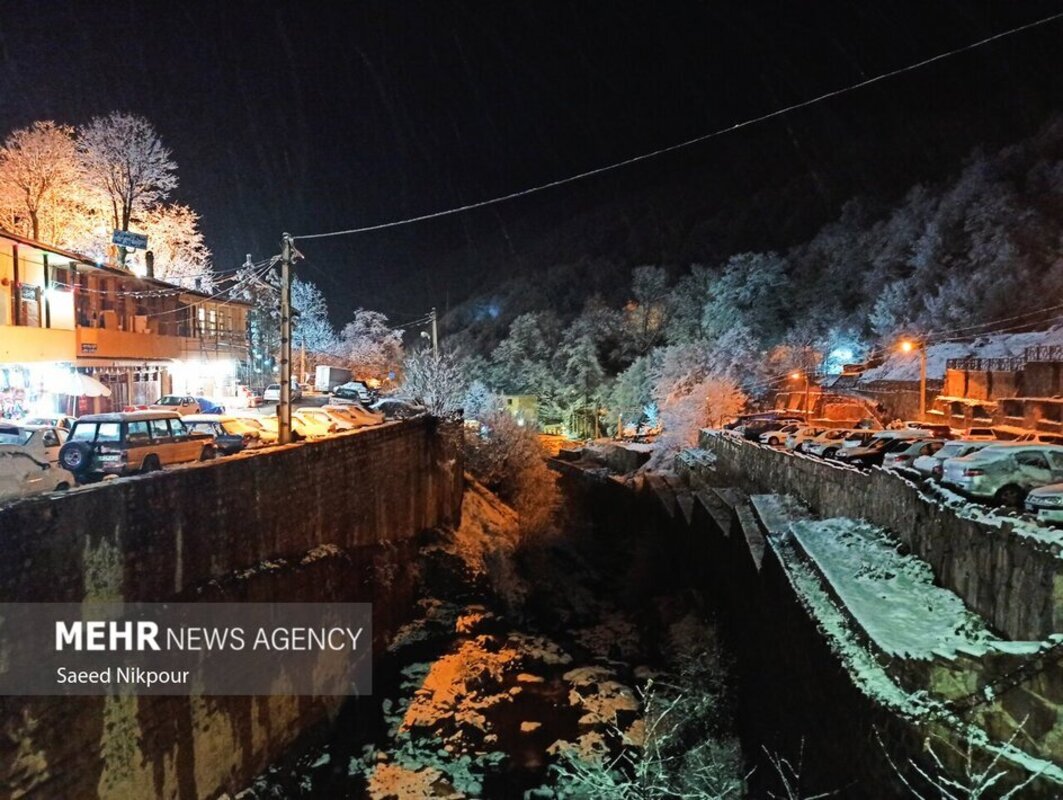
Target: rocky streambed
(543, 669)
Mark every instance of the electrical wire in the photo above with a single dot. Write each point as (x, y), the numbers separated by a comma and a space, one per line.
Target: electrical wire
(696, 140)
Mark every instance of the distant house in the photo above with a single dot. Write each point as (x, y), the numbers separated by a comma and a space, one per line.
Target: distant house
(525, 407)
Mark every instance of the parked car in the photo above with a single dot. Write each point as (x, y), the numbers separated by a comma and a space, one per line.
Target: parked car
(22, 474)
(272, 427)
(272, 393)
(929, 466)
(40, 441)
(937, 429)
(123, 443)
(393, 408)
(857, 438)
(357, 391)
(208, 406)
(754, 428)
(63, 421)
(981, 435)
(776, 436)
(874, 454)
(1005, 473)
(358, 414)
(1046, 502)
(801, 435)
(827, 443)
(182, 404)
(313, 425)
(231, 434)
(1041, 437)
(257, 424)
(904, 457)
(328, 418)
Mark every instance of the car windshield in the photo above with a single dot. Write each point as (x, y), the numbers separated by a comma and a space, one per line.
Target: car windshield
(202, 427)
(273, 387)
(169, 400)
(12, 435)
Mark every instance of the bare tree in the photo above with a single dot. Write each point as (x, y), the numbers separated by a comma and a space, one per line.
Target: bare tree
(124, 159)
(39, 167)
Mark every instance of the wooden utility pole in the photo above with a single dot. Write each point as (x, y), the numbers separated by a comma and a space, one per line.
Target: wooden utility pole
(284, 408)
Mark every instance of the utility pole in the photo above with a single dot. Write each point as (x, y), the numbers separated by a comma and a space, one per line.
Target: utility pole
(302, 360)
(922, 381)
(284, 408)
(435, 334)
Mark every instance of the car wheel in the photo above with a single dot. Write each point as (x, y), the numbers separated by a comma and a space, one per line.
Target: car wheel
(773, 441)
(830, 452)
(150, 464)
(62, 487)
(208, 453)
(75, 456)
(1011, 495)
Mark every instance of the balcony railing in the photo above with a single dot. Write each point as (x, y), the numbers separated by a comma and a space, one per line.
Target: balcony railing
(1045, 353)
(975, 364)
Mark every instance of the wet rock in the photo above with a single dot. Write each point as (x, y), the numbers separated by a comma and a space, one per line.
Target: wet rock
(525, 677)
(529, 727)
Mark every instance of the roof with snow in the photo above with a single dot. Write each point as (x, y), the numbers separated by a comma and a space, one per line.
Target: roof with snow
(905, 366)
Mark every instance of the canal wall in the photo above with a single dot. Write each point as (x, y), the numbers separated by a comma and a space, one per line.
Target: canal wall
(336, 520)
(1007, 571)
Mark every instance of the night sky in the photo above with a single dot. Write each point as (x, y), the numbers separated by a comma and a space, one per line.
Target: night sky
(311, 116)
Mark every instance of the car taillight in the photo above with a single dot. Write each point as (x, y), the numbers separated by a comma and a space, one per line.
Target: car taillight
(904, 458)
(972, 472)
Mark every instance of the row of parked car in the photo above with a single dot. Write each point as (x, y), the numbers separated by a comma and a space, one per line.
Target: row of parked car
(1005, 466)
(56, 452)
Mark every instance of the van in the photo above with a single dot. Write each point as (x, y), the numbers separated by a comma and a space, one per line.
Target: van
(131, 442)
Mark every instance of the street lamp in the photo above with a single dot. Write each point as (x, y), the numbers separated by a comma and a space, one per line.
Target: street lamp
(794, 376)
(907, 346)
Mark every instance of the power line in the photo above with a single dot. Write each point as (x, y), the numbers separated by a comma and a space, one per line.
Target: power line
(696, 140)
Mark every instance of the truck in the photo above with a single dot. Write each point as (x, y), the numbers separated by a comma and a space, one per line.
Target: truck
(328, 378)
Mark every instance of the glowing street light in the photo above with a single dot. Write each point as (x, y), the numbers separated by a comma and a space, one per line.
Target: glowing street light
(907, 346)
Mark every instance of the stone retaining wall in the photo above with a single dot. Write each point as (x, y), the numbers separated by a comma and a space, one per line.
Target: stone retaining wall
(1013, 579)
(328, 521)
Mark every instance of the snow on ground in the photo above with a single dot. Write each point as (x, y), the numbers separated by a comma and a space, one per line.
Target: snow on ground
(892, 596)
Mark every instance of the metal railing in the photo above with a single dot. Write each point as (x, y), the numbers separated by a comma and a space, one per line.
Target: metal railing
(1045, 352)
(976, 364)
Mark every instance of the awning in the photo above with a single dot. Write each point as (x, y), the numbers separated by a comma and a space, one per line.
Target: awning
(76, 384)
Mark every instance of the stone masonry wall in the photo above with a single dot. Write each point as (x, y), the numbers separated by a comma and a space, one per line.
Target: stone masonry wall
(334, 520)
(1013, 580)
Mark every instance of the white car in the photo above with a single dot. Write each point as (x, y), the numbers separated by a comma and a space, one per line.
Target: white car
(181, 403)
(1046, 502)
(777, 436)
(64, 421)
(904, 457)
(272, 394)
(357, 413)
(313, 426)
(327, 418)
(22, 474)
(801, 435)
(40, 441)
(827, 443)
(1005, 473)
(929, 466)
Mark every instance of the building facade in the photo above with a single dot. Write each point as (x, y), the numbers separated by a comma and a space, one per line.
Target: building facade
(62, 313)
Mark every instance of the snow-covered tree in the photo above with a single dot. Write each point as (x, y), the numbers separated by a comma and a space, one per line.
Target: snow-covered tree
(479, 400)
(647, 311)
(39, 173)
(181, 254)
(312, 329)
(435, 381)
(124, 160)
(372, 348)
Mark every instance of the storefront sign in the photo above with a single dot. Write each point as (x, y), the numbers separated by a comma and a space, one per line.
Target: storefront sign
(137, 241)
(88, 347)
(28, 292)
